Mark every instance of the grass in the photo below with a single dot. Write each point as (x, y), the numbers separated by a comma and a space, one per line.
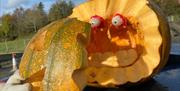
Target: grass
(17, 45)
(13, 46)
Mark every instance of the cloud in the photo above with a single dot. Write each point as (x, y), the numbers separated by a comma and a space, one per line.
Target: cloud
(15, 3)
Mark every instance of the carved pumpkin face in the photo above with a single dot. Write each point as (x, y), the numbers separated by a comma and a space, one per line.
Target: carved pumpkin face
(129, 42)
(125, 40)
(113, 36)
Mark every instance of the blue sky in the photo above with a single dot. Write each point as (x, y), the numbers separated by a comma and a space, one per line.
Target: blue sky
(7, 6)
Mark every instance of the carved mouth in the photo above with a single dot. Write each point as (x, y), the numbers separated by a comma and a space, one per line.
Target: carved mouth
(121, 58)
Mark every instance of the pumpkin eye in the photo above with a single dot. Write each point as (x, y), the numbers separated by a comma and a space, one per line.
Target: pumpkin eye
(117, 20)
(96, 21)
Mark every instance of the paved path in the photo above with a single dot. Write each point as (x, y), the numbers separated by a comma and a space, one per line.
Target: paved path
(175, 48)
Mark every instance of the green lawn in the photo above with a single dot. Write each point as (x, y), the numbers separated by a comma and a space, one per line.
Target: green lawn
(13, 46)
(17, 45)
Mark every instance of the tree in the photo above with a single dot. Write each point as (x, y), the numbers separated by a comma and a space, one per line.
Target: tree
(1, 33)
(60, 9)
(31, 20)
(35, 18)
(170, 7)
(6, 24)
(6, 29)
(18, 21)
(24, 21)
(42, 16)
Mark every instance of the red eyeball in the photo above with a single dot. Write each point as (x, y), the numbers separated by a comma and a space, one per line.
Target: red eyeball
(96, 21)
(119, 20)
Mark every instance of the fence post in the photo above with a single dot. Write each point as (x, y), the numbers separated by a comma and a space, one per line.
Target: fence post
(15, 47)
(24, 43)
(6, 46)
(14, 64)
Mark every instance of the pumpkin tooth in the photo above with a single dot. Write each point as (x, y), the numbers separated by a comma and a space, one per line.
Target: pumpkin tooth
(109, 34)
(109, 59)
(132, 39)
(120, 42)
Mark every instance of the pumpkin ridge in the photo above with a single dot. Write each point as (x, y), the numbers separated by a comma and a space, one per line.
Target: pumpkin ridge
(51, 61)
(49, 72)
(29, 64)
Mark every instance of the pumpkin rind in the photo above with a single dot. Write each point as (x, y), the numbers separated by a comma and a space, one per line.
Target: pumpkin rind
(29, 64)
(166, 36)
(32, 66)
(65, 55)
(37, 58)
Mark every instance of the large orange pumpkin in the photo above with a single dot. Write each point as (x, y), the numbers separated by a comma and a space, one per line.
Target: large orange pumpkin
(127, 54)
(129, 43)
